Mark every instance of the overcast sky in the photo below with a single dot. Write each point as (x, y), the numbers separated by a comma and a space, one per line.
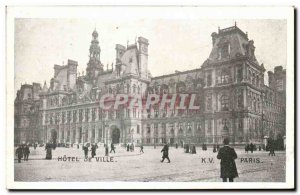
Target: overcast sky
(175, 44)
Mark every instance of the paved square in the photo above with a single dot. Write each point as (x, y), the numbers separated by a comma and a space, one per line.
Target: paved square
(145, 167)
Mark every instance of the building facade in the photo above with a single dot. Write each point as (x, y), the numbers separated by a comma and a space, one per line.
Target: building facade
(229, 86)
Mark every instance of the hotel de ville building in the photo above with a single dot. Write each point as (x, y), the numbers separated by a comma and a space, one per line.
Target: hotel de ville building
(234, 100)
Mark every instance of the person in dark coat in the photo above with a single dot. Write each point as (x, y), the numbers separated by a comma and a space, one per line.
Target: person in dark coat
(48, 149)
(128, 147)
(93, 149)
(251, 147)
(246, 148)
(165, 152)
(26, 152)
(112, 148)
(187, 148)
(142, 149)
(259, 148)
(227, 155)
(19, 153)
(106, 150)
(77, 146)
(215, 148)
(271, 148)
(86, 151)
(176, 145)
(34, 146)
(194, 149)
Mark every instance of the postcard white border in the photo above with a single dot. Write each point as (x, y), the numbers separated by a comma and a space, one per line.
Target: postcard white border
(205, 13)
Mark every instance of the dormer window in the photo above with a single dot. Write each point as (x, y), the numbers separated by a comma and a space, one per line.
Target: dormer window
(224, 50)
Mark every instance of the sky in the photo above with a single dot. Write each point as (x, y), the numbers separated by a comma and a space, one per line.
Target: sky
(174, 43)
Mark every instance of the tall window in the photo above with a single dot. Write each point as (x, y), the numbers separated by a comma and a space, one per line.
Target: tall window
(138, 129)
(224, 76)
(148, 129)
(224, 103)
(209, 79)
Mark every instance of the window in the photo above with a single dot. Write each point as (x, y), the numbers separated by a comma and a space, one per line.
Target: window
(209, 79)
(180, 128)
(134, 113)
(189, 127)
(224, 76)
(93, 114)
(148, 129)
(87, 115)
(224, 103)
(127, 113)
(156, 112)
(224, 51)
(148, 113)
(239, 74)
(80, 115)
(138, 129)
(209, 126)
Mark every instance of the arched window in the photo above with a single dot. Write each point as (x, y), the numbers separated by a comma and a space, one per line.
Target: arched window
(224, 103)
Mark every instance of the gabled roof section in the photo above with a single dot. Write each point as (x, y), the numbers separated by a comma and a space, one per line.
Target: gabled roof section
(230, 43)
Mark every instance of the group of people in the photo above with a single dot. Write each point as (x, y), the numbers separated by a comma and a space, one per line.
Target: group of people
(189, 148)
(22, 151)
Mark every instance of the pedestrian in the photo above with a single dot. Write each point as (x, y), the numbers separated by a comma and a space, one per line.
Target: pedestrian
(48, 149)
(93, 149)
(259, 148)
(227, 155)
(187, 148)
(215, 148)
(106, 150)
(86, 151)
(271, 148)
(128, 147)
(131, 147)
(193, 149)
(246, 148)
(34, 145)
(26, 152)
(112, 148)
(19, 153)
(77, 146)
(251, 147)
(142, 149)
(176, 145)
(165, 152)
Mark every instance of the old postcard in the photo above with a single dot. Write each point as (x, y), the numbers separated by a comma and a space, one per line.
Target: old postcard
(150, 97)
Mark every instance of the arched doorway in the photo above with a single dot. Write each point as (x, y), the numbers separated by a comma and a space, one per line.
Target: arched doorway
(53, 137)
(115, 135)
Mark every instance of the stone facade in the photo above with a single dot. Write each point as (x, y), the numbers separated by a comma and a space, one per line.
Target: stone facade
(234, 101)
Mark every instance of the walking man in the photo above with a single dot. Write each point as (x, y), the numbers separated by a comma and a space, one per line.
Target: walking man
(251, 147)
(26, 152)
(112, 148)
(227, 155)
(165, 152)
(19, 153)
(93, 149)
(86, 151)
(142, 149)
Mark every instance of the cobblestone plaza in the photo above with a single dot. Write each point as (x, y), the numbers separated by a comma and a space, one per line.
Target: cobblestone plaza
(136, 166)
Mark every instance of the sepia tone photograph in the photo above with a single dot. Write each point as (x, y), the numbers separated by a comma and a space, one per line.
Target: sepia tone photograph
(163, 97)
